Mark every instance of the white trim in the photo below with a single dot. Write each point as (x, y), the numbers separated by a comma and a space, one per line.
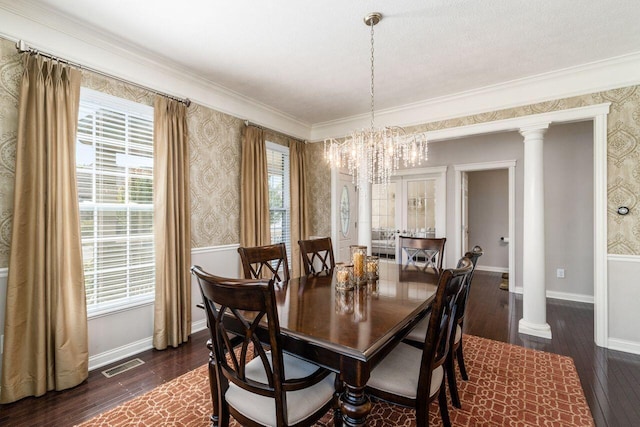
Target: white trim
(623, 258)
(4, 272)
(81, 43)
(623, 345)
(621, 71)
(50, 32)
(492, 269)
(119, 353)
(535, 329)
(510, 165)
(578, 114)
(570, 297)
(208, 249)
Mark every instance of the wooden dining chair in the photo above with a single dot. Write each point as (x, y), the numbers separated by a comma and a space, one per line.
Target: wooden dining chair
(416, 336)
(268, 261)
(456, 352)
(414, 377)
(429, 249)
(270, 388)
(317, 255)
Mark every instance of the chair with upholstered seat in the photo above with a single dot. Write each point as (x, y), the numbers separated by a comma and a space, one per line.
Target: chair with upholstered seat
(268, 261)
(271, 388)
(417, 334)
(431, 250)
(317, 255)
(414, 377)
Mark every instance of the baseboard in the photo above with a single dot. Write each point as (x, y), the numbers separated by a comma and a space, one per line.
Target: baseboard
(624, 345)
(492, 268)
(120, 353)
(570, 297)
(131, 349)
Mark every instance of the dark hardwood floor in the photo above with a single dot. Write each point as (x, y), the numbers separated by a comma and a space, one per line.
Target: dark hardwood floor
(611, 380)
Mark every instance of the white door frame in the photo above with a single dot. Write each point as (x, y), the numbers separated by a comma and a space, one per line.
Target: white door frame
(596, 113)
(510, 165)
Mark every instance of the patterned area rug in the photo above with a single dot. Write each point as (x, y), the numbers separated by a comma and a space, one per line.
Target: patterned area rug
(508, 386)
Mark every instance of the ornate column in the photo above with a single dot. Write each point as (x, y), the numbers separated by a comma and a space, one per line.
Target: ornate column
(534, 299)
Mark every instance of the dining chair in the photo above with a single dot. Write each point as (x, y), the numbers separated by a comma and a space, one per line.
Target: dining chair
(416, 336)
(317, 255)
(456, 352)
(268, 388)
(414, 377)
(417, 248)
(268, 261)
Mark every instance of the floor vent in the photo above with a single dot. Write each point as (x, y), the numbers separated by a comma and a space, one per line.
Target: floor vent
(123, 367)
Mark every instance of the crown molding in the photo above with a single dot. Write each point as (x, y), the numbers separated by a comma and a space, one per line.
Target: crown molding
(53, 33)
(594, 77)
(48, 31)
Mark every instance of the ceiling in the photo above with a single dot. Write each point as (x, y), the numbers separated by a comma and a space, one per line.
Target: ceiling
(310, 59)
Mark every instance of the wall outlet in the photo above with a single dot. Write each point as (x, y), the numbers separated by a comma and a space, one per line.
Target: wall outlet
(560, 273)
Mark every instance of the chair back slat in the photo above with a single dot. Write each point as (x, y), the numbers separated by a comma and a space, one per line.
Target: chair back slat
(268, 261)
(473, 255)
(431, 249)
(317, 255)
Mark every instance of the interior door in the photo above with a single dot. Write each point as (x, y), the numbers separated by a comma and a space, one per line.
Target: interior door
(347, 218)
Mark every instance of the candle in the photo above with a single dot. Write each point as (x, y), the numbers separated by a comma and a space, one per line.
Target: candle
(358, 263)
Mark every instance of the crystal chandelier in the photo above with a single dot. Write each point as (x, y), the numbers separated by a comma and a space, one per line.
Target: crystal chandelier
(375, 154)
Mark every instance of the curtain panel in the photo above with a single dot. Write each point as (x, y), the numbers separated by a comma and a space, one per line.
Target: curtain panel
(254, 190)
(45, 336)
(172, 224)
(300, 224)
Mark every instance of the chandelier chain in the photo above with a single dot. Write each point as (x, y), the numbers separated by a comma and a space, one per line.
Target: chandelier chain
(373, 155)
(372, 77)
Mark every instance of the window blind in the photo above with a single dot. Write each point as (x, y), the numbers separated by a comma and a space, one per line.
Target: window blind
(279, 195)
(114, 166)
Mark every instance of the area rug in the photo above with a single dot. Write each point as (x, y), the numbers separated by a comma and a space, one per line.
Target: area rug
(508, 386)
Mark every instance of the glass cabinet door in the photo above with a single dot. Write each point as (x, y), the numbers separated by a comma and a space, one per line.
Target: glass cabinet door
(420, 208)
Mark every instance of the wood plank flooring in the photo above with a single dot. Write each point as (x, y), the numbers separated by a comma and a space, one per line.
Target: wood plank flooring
(611, 380)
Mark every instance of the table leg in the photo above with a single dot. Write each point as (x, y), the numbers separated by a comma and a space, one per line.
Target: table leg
(355, 406)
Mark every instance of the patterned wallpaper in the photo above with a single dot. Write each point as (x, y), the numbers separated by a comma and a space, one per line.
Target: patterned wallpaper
(215, 159)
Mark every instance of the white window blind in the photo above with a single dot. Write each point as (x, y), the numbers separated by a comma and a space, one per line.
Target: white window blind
(114, 166)
(279, 195)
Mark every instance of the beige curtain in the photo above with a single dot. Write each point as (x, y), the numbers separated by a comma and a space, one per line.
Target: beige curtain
(299, 206)
(45, 335)
(254, 190)
(172, 224)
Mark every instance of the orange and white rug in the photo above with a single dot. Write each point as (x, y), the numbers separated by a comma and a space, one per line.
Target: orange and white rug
(508, 386)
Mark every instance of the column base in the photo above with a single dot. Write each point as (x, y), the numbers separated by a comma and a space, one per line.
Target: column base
(542, 330)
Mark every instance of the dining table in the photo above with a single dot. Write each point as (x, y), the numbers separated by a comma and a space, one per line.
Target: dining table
(350, 330)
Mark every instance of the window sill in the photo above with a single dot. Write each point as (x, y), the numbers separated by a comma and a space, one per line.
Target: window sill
(109, 311)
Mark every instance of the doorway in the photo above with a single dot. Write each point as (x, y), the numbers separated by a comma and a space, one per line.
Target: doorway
(462, 228)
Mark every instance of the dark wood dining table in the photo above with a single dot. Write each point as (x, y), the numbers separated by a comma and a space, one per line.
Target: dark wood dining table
(350, 331)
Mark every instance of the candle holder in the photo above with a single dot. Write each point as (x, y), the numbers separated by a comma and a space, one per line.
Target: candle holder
(344, 275)
(358, 254)
(372, 265)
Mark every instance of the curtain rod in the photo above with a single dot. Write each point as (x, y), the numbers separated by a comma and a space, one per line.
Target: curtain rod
(248, 123)
(22, 47)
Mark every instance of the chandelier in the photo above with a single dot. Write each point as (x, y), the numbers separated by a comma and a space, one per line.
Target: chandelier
(374, 154)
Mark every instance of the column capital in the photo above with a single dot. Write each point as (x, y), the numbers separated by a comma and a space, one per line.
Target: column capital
(534, 130)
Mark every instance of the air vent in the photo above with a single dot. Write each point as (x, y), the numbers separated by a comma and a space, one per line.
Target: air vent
(123, 367)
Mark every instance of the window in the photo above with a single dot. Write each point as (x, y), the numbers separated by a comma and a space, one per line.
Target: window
(114, 166)
(279, 199)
